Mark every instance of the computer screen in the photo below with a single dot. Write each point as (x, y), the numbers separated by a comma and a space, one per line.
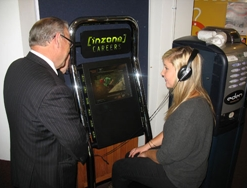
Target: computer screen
(110, 83)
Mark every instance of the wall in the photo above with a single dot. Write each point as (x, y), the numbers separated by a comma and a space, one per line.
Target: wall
(16, 22)
(168, 20)
(73, 9)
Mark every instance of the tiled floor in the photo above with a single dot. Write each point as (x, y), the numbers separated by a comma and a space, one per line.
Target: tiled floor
(5, 174)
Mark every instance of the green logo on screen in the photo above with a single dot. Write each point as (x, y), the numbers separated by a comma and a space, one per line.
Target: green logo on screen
(105, 42)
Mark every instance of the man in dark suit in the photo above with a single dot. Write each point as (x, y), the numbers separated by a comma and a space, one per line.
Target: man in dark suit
(47, 137)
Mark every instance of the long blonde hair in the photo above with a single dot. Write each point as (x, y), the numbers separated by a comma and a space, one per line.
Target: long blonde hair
(191, 87)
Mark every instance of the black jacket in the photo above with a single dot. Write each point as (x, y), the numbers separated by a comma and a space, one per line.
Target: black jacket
(47, 137)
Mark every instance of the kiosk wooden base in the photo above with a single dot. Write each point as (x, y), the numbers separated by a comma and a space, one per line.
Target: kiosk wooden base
(103, 171)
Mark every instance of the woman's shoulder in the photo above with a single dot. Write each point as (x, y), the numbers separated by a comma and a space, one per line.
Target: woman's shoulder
(196, 100)
(195, 103)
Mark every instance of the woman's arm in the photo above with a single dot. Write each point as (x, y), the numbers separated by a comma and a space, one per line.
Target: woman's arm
(150, 154)
(156, 141)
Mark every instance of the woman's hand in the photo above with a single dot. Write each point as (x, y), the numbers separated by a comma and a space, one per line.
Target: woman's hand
(150, 154)
(139, 150)
(152, 143)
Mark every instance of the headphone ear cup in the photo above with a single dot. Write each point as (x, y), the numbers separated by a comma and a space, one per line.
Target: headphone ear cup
(184, 73)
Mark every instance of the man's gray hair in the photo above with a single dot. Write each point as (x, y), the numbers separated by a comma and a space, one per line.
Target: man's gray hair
(45, 29)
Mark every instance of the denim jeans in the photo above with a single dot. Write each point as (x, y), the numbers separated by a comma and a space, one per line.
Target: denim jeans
(139, 169)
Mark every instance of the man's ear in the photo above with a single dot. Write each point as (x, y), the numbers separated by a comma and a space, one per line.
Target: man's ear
(57, 40)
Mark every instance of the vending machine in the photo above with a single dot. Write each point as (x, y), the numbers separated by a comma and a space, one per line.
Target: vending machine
(224, 76)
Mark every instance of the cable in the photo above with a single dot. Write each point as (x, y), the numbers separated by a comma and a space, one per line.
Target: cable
(102, 158)
(115, 148)
(163, 102)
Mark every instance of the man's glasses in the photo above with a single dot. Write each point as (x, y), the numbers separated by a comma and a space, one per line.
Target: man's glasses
(70, 41)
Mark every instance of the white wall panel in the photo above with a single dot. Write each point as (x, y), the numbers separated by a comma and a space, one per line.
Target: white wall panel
(168, 20)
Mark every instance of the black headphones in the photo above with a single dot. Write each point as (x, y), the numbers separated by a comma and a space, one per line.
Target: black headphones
(185, 71)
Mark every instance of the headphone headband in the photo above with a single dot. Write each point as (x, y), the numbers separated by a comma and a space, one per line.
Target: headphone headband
(185, 71)
(192, 57)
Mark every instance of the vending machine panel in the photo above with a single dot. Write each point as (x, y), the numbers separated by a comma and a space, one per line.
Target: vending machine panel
(224, 76)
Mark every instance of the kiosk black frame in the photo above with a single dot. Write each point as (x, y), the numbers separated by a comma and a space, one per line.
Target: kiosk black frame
(136, 71)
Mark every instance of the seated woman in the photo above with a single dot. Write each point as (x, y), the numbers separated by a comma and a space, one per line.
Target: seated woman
(181, 158)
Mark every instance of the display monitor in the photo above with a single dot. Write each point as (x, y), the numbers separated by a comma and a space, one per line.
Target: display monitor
(110, 83)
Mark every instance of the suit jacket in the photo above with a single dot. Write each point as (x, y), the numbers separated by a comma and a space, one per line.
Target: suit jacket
(47, 137)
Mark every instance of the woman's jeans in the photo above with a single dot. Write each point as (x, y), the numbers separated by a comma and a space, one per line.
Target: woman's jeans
(139, 169)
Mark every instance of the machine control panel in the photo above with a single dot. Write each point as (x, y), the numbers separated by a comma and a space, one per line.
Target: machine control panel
(236, 78)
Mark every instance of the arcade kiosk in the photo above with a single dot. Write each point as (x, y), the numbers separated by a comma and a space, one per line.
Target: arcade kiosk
(107, 82)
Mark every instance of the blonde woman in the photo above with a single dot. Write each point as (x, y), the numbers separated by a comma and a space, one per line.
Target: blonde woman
(178, 156)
